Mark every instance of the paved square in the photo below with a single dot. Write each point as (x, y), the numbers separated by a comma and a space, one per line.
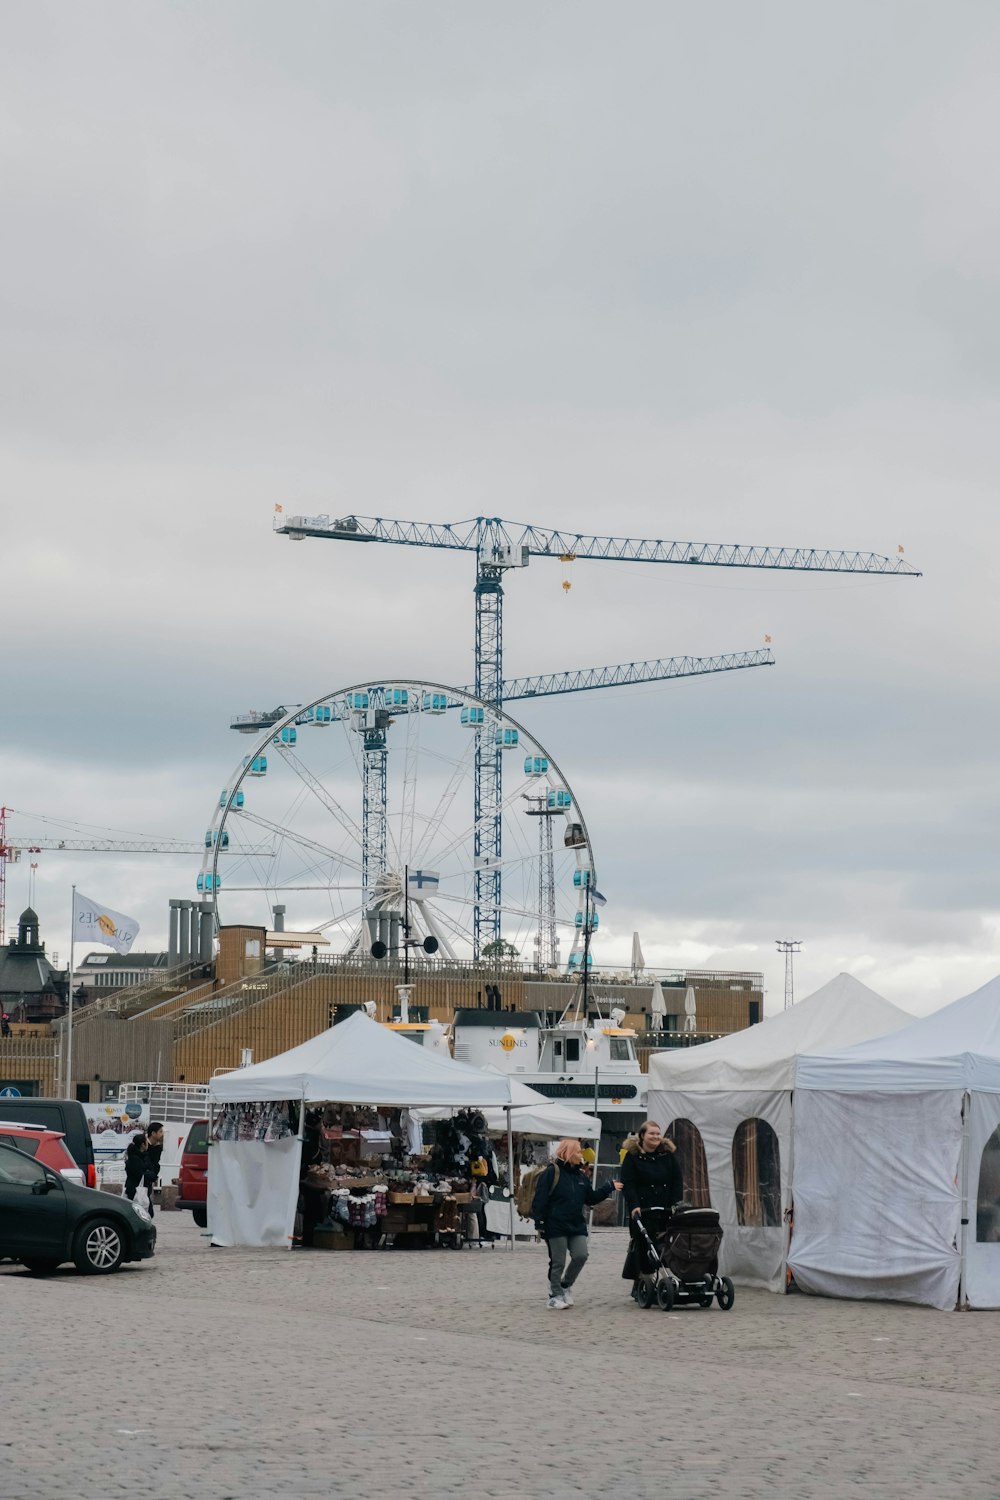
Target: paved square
(213, 1373)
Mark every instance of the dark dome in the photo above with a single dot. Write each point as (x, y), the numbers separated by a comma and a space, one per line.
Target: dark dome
(28, 917)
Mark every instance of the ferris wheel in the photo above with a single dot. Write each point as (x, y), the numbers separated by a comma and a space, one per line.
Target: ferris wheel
(358, 813)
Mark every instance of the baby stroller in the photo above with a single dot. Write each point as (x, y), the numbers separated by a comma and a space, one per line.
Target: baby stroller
(683, 1266)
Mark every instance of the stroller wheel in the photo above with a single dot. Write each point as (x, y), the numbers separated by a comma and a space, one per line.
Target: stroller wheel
(665, 1295)
(645, 1294)
(726, 1295)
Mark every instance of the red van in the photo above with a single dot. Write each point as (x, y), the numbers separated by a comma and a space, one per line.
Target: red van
(193, 1179)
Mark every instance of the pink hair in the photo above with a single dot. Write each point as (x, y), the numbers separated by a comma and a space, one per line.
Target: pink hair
(565, 1148)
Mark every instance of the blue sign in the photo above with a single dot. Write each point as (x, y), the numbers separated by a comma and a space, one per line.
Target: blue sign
(10, 1093)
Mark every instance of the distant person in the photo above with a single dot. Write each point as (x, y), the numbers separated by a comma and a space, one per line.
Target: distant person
(564, 1190)
(651, 1176)
(135, 1166)
(154, 1150)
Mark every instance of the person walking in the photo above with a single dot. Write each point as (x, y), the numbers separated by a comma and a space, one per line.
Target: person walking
(154, 1150)
(563, 1192)
(135, 1166)
(652, 1182)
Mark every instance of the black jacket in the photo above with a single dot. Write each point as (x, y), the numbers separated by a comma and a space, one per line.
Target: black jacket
(136, 1163)
(559, 1210)
(651, 1179)
(153, 1154)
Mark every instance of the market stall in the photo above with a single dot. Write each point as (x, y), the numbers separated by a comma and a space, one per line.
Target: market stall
(524, 1133)
(344, 1096)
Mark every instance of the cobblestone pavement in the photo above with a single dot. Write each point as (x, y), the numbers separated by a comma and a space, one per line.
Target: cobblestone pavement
(210, 1373)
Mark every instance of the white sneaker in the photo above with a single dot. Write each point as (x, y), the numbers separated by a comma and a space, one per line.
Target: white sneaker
(557, 1303)
(567, 1296)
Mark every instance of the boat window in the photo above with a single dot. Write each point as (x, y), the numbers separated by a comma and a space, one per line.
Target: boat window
(757, 1174)
(572, 1049)
(558, 1049)
(693, 1162)
(988, 1196)
(621, 1050)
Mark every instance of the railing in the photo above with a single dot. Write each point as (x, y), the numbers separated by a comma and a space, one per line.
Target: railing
(135, 997)
(240, 996)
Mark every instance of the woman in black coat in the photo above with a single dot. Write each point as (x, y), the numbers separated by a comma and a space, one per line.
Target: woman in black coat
(136, 1165)
(652, 1181)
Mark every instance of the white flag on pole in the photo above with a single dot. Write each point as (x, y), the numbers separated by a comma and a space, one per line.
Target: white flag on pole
(99, 924)
(422, 883)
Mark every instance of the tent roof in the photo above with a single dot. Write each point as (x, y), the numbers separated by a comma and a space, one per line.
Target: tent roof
(842, 1012)
(553, 1121)
(957, 1047)
(361, 1062)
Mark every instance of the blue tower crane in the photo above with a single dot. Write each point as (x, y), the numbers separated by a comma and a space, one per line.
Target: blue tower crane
(500, 545)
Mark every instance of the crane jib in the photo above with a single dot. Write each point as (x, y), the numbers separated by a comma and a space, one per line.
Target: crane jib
(510, 543)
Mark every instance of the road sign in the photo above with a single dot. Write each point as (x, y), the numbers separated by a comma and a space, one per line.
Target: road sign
(10, 1093)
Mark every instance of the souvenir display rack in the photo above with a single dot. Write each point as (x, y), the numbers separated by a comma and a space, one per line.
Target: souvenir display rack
(370, 1190)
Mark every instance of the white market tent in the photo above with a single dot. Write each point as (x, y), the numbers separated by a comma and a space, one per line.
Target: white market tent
(897, 1162)
(534, 1114)
(549, 1121)
(253, 1185)
(736, 1095)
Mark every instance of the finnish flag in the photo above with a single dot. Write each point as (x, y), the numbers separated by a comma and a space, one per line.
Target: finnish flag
(421, 884)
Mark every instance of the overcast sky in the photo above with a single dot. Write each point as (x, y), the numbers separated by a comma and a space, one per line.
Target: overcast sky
(717, 272)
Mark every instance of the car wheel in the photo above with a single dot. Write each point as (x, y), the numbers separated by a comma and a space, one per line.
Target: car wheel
(200, 1217)
(98, 1248)
(41, 1267)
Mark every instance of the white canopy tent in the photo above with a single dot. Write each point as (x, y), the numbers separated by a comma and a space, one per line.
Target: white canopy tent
(253, 1185)
(736, 1093)
(897, 1162)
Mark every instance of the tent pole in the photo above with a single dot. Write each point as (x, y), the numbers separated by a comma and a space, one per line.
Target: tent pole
(298, 1164)
(964, 1171)
(510, 1178)
(208, 1155)
(788, 1211)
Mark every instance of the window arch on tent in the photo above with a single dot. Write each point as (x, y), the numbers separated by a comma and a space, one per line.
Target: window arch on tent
(757, 1174)
(988, 1194)
(693, 1162)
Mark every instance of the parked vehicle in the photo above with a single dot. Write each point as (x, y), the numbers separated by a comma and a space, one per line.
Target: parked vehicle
(64, 1115)
(193, 1179)
(46, 1220)
(47, 1146)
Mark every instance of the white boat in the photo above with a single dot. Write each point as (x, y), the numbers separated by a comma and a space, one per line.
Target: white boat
(590, 1062)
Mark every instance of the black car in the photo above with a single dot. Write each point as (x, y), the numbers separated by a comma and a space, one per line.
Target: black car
(46, 1220)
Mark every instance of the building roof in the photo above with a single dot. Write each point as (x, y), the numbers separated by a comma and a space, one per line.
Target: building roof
(25, 973)
(107, 961)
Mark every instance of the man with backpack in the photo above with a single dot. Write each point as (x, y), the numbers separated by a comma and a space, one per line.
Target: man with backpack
(562, 1192)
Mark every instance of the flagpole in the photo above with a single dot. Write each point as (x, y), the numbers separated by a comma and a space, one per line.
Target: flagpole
(69, 1013)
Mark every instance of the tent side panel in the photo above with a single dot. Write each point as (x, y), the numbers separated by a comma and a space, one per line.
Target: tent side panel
(752, 1254)
(253, 1188)
(877, 1195)
(982, 1263)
